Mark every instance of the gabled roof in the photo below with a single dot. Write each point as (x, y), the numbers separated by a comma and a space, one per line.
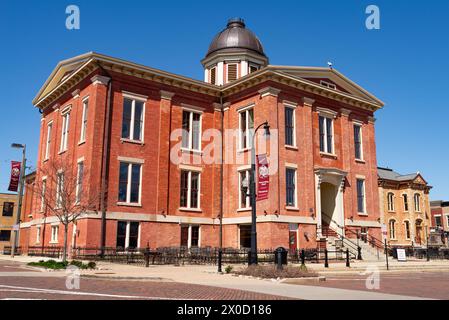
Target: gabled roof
(69, 73)
(389, 174)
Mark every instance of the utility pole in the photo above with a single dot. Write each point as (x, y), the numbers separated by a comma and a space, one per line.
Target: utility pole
(20, 195)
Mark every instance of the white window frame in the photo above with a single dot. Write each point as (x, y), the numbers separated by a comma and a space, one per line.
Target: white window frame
(405, 196)
(359, 125)
(79, 182)
(216, 75)
(441, 220)
(293, 108)
(128, 228)
(390, 205)
(417, 204)
(189, 190)
(254, 66)
(43, 191)
(364, 197)
(128, 185)
(288, 167)
(38, 234)
(248, 199)
(54, 234)
(332, 119)
(48, 140)
(65, 131)
(249, 132)
(409, 230)
(143, 100)
(84, 120)
(59, 189)
(200, 133)
(394, 229)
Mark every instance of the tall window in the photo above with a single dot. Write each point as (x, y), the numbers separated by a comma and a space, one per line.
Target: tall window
(390, 200)
(405, 198)
(358, 141)
(59, 189)
(84, 121)
(290, 127)
(54, 234)
(195, 236)
(244, 199)
(407, 229)
(392, 227)
(38, 234)
(127, 235)
(132, 124)
(232, 72)
(326, 135)
(48, 141)
(43, 191)
(79, 181)
(290, 177)
(190, 188)
(129, 183)
(246, 128)
(190, 236)
(8, 209)
(191, 130)
(245, 236)
(417, 202)
(65, 131)
(438, 221)
(213, 75)
(361, 196)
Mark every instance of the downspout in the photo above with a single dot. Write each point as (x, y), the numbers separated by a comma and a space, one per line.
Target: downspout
(220, 250)
(105, 164)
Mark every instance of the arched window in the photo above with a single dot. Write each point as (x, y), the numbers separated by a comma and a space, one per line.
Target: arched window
(390, 198)
(417, 202)
(405, 197)
(407, 229)
(392, 226)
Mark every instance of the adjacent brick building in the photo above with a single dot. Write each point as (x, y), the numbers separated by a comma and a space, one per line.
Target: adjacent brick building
(440, 218)
(405, 207)
(8, 214)
(123, 123)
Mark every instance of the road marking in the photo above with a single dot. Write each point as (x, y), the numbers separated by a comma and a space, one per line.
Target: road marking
(79, 293)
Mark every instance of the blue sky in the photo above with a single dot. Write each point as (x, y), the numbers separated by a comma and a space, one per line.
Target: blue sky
(405, 63)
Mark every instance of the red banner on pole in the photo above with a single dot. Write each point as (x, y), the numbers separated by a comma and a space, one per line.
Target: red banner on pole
(264, 177)
(15, 176)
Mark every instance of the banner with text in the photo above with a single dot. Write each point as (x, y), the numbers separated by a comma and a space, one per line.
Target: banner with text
(15, 176)
(264, 177)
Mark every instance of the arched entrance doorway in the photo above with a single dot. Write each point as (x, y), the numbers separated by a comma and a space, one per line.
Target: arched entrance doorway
(419, 232)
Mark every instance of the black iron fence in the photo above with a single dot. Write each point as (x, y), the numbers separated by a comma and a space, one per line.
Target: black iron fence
(423, 253)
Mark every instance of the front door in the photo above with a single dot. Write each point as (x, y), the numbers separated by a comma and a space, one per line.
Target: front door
(418, 235)
(293, 237)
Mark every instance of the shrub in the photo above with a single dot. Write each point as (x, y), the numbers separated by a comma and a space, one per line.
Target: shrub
(229, 269)
(91, 265)
(271, 272)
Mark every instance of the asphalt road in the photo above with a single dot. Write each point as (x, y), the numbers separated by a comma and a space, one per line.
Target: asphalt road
(19, 282)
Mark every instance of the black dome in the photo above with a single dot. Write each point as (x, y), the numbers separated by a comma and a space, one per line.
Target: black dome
(234, 38)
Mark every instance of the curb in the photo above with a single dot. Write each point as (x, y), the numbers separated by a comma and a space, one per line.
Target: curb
(108, 277)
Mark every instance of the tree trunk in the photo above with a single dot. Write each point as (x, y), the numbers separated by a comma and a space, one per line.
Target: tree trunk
(64, 250)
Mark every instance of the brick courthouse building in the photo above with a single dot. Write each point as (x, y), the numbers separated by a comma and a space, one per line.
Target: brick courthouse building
(118, 119)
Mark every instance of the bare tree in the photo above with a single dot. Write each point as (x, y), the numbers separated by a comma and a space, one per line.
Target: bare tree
(65, 193)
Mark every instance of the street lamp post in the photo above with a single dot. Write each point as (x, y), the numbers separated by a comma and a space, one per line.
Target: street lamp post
(21, 189)
(252, 193)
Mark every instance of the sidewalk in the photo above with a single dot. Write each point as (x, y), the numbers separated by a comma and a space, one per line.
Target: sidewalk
(207, 275)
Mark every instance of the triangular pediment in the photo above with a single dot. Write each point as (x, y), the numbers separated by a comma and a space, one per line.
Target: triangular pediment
(61, 72)
(317, 75)
(419, 180)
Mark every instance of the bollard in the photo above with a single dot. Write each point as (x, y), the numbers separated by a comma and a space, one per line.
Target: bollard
(359, 253)
(326, 259)
(303, 257)
(347, 259)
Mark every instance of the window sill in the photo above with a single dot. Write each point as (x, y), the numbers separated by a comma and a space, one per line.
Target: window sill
(62, 152)
(244, 209)
(362, 214)
(288, 208)
(328, 155)
(243, 150)
(389, 211)
(360, 161)
(46, 160)
(138, 142)
(293, 148)
(190, 210)
(81, 143)
(53, 242)
(198, 152)
(126, 204)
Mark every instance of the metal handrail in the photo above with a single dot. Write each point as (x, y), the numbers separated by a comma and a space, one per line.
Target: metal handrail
(350, 243)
